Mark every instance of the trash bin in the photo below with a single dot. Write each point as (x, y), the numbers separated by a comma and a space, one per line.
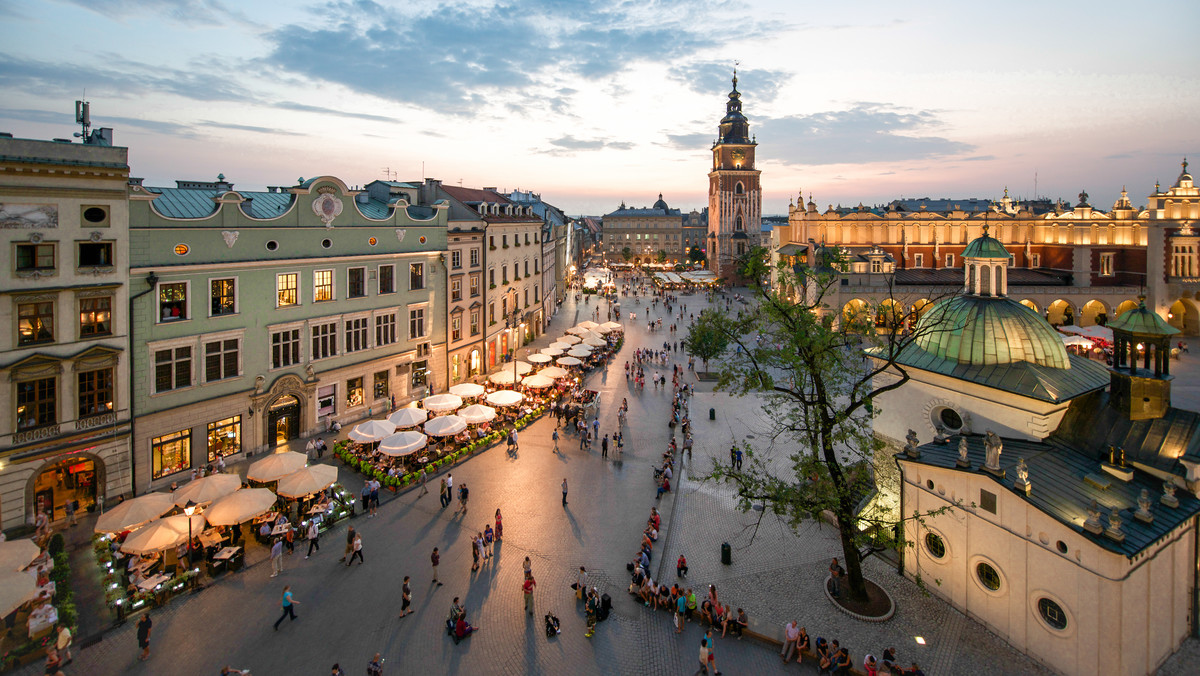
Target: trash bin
(712, 414)
(726, 553)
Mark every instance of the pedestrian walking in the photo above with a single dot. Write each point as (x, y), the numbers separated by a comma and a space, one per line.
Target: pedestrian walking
(515, 445)
(527, 588)
(276, 557)
(463, 494)
(63, 642)
(143, 635)
(314, 538)
(375, 666)
(365, 499)
(435, 558)
(604, 447)
(405, 598)
(288, 604)
(70, 509)
(488, 537)
(357, 547)
(738, 459)
(592, 608)
(581, 584)
(349, 545)
(499, 526)
(554, 436)
(712, 654)
(835, 578)
(444, 496)
(424, 482)
(564, 487)
(449, 489)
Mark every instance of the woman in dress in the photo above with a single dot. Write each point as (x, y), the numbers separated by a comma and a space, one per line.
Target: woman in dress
(499, 526)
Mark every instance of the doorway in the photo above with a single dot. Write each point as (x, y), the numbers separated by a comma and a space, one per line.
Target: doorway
(73, 479)
(283, 421)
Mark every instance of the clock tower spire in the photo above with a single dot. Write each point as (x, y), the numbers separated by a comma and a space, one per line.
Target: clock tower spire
(734, 194)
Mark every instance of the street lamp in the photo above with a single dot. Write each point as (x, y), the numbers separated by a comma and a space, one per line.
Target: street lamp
(189, 509)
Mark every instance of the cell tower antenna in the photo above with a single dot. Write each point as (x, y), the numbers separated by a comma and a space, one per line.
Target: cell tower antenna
(1035, 177)
(83, 117)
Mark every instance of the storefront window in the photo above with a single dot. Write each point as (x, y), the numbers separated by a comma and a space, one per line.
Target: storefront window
(381, 385)
(224, 437)
(354, 392)
(171, 453)
(420, 371)
(326, 400)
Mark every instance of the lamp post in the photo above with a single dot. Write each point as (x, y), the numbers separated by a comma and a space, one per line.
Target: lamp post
(189, 509)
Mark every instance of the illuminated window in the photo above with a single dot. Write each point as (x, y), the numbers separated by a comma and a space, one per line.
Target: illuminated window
(37, 403)
(416, 276)
(224, 437)
(171, 453)
(322, 285)
(354, 392)
(1106, 264)
(173, 301)
(95, 316)
(223, 295)
(95, 392)
(287, 288)
(381, 385)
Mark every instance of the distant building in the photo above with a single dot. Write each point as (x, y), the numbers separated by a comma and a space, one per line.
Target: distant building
(644, 235)
(734, 193)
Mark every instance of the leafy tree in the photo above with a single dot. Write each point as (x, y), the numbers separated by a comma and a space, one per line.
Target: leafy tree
(707, 338)
(626, 254)
(662, 256)
(819, 372)
(695, 255)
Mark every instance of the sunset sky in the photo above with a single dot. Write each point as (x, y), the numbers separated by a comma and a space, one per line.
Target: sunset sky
(592, 103)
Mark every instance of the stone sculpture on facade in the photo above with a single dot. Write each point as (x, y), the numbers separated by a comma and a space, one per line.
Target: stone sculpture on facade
(993, 446)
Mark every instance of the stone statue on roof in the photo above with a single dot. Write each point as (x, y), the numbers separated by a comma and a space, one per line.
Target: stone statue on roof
(1143, 513)
(962, 453)
(993, 446)
(1092, 525)
(1022, 483)
(910, 448)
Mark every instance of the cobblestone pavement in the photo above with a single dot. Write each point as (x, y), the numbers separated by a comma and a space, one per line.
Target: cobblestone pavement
(348, 614)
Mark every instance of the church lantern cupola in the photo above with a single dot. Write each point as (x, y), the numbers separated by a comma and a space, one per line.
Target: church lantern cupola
(1141, 336)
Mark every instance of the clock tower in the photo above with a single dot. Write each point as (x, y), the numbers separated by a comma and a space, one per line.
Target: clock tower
(734, 194)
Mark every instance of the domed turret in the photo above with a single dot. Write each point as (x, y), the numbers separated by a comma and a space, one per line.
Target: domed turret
(660, 204)
(985, 246)
(734, 126)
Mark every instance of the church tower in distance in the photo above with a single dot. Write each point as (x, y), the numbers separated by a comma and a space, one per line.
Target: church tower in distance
(734, 194)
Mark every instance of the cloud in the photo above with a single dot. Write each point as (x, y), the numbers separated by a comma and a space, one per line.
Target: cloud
(569, 142)
(462, 58)
(187, 12)
(712, 79)
(120, 78)
(305, 108)
(247, 127)
(691, 141)
(867, 132)
(68, 120)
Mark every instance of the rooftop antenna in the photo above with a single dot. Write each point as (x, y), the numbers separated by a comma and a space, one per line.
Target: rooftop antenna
(83, 117)
(389, 174)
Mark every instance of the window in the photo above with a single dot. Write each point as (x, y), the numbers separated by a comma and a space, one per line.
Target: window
(474, 285)
(416, 323)
(536, 268)
(526, 239)
(287, 286)
(474, 257)
(387, 279)
(95, 316)
(537, 296)
(224, 437)
(1035, 260)
(172, 368)
(354, 392)
(935, 545)
(492, 276)
(987, 501)
(1052, 614)
(949, 260)
(987, 575)
(37, 403)
(456, 289)
(35, 257)
(876, 266)
(456, 259)
(385, 329)
(918, 260)
(356, 334)
(221, 359)
(285, 348)
(171, 453)
(324, 340)
(456, 328)
(381, 385)
(1106, 264)
(95, 255)
(526, 297)
(526, 268)
(356, 283)
(326, 400)
(95, 392)
(492, 313)
(35, 323)
(172, 301)
(474, 322)
(222, 293)
(504, 274)
(492, 241)
(322, 285)
(949, 419)
(416, 276)
(504, 241)
(420, 373)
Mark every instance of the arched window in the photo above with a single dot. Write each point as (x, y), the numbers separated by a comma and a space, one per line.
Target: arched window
(739, 188)
(737, 225)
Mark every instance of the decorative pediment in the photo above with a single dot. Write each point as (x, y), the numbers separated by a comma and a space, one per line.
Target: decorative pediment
(96, 356)
(36, 365)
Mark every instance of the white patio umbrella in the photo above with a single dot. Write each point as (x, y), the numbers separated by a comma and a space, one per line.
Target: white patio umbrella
(408, 417)
(537, 381)
(239, 507)
(569, 340)
(442, 403)
(505, 398)
(162, 534)
(540, 358)
(372, 430)
(523, 367)
(553, 372)
(133, 513)
(589, 325)
(568, 361)
(306, 481)
(445, 426)
(504, 377)
(403, 443)
(555, 351)
(585, 337)
(16, 554)
(16, 589)
(594, 342)
(1076, 340)
(602, 330)
(613, 326)
(205, 490)
(476, 413)
(468, 390)
(576, 330)
(276, 466)
(580, 352)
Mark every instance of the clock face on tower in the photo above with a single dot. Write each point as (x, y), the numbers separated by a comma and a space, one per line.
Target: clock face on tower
(739, 156)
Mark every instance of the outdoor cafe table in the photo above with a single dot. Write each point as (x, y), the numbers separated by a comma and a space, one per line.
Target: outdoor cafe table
(226, 553)
(269, 516)
(281, 529)
(42, 620)
(210, 538)
(317, 509)
(152, 582)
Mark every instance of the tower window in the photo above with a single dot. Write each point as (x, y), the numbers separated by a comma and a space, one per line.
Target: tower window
(739, 188)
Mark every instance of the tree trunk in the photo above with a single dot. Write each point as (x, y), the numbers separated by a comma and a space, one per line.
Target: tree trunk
(854, 587)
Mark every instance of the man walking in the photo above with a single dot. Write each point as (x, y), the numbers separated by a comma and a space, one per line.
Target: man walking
(349, 544)
(604, 447)
(434, 558)
(463, 494)
(444, 496)
(527, 587)
(405, 598)
(143, 635)
(424, 482)
(564, 491)
(277, 557)
(449, 489)
(288, 605)
(356, 545)
(554, 436)
(314, 537)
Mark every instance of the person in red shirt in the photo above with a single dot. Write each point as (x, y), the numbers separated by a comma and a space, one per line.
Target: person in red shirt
(681, 567)
(527, 587)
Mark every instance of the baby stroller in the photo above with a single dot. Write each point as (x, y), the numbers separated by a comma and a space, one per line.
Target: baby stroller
(552, 629)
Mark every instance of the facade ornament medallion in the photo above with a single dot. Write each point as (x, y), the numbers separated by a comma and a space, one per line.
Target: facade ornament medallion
(230, 236)
(327, 207)
(400, 232)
